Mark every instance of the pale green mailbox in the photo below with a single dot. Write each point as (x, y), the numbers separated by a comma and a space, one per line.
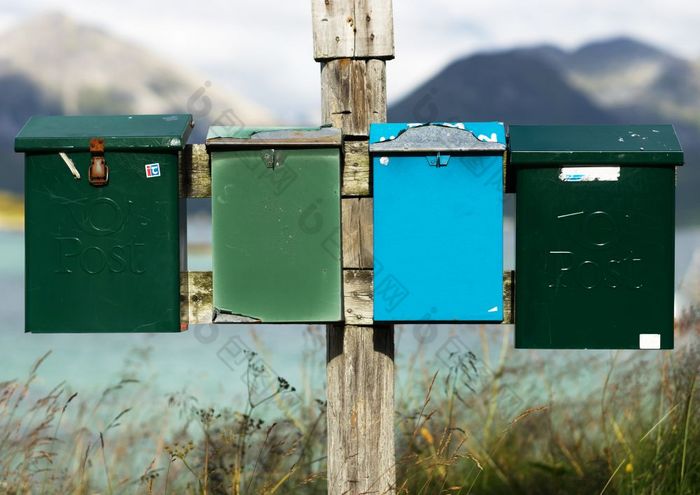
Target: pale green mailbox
(276, 224)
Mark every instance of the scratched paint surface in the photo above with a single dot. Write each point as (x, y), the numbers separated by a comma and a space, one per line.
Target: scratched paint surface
(594, 259)
(276, 235)
(640, 145)
(102, 259)
(438, 232)
(594, 242)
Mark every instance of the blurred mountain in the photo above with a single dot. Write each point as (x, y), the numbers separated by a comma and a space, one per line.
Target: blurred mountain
(513, 86)
(619, 80)
(54, 65)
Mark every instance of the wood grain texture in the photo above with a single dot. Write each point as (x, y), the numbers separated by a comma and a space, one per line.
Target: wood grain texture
(357, 221)
(360, 374)
(354, 94)
(376, 90)
(195, 172)
(508, 298)
(334, 28)
(196, 297)
(357, 297)
(356, 168)
(352, 29)
(374, 29)
(360, 360)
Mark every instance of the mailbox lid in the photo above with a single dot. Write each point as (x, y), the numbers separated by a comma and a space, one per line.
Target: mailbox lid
(120, 132)
(538, 145)
(276, 225)
(438, 230)
(431, 137)
(233, 137)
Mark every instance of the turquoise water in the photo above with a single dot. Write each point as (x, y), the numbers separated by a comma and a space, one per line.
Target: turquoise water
(203, 361)
(207, 361)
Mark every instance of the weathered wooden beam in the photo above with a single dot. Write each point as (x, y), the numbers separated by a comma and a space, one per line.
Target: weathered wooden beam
(376, 90)
(508, 298)
(353, 38)
(356, 94)
(357, 297)
(352, 29)
(195, 172)
(374, 29)
(360, 410)
(357, 224)
(184, 301)
(358, 293)
(356, 176)
(196, 297)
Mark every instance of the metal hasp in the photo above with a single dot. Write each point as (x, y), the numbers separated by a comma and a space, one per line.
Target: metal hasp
(594, 236)
(438, 221)
(276, 224)
(107, 258)
(98, 173)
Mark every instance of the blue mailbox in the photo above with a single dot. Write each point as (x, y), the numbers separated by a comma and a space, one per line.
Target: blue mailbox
(438, 221)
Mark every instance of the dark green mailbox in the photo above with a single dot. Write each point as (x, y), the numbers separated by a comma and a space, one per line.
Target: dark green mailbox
(276, 224)
(594, 236)
(102, 222)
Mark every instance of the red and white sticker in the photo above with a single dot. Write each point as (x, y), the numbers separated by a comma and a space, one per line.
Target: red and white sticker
(152, 170)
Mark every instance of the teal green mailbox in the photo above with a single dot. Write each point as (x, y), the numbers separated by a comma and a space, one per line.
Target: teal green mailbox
(594, 236)
(102, 222)
(276, 224)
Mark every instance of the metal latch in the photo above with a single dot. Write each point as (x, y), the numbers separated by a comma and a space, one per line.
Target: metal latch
(98, 173)
(438, 160)
(273, 158)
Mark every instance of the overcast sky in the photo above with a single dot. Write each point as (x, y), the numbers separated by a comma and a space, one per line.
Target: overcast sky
(263, 48)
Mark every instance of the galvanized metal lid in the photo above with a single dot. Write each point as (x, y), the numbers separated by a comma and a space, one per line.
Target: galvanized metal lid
(539, 145)
(272, 137)
(120, 132)
(465, 137)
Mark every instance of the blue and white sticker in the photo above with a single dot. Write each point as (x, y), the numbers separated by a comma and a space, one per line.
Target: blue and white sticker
(152, 170)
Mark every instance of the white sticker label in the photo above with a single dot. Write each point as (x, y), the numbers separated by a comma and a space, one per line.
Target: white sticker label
(152, 170)
(588, 174)
(493, 138)
(650, 341)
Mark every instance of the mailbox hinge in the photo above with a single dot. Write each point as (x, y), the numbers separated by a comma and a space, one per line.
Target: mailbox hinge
(273, 158)
(98, 173)
(438, 160)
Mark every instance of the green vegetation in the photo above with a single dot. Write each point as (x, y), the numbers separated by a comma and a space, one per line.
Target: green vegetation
(517, 423)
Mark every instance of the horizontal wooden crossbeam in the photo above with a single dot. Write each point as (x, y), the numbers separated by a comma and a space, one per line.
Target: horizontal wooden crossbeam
(196, 297)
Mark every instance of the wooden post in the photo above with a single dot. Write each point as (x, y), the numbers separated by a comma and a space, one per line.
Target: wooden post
(352, 40)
